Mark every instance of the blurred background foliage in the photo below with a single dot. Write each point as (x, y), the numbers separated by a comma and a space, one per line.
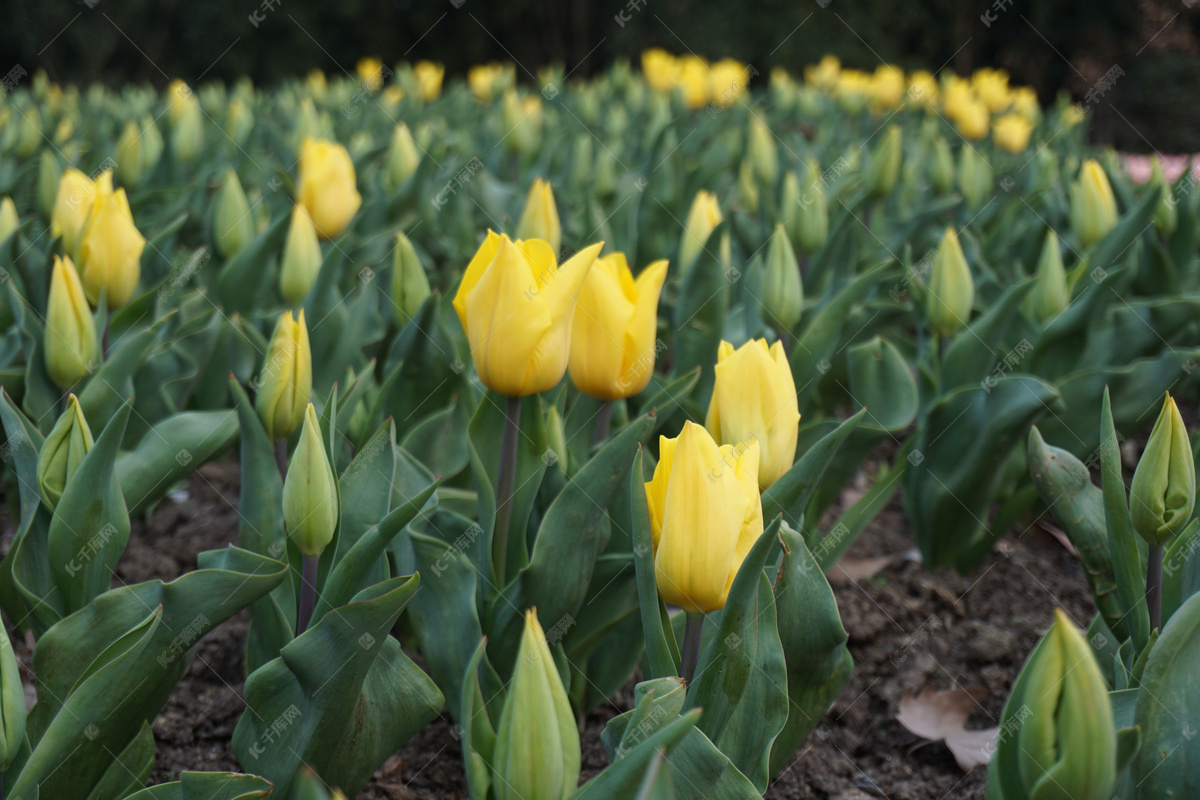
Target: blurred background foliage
(1066, 45)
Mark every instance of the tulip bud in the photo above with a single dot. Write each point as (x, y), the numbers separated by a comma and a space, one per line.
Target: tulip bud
(582, 162)
(1163, 492)
(748, 187)
(1166, 216)
(429, 80)
(1066, 746)
(70, 344)
(410, 285)
(782, 293)
(556, 437)
(613, 344)
(152, 144)
(705, 214)
(72, 204)
(233, 226)
(49, 174)
(604, 178)
(537, 752)
(974, 176)
(239, 121)
(941, 166)
(129, 155)
(523, 121)
(811, 227)
(9, 221)
(1050, 294)
(764, 155)
(12, 704)
(951, 291)
(187, 133)
(285, 383)
(327, 186)
(29, 131)
(884, 168)
(110, 251)
(403, 157)
(539, 220)
(1011, 132)
(62, 453)
(310, 491)
(301, 258)
(1093, 207)
(754, 399)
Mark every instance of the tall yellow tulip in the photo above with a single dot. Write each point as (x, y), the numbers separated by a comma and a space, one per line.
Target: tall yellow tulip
(539, 220)
(327, 188)
(286, 380)
(110, 252)
(1093, 208)
(70, 344)
(76, 192)
(705, 515)
(754, 399)
(613, 335)
(516, 304)
(1011, 132)
(429, 79)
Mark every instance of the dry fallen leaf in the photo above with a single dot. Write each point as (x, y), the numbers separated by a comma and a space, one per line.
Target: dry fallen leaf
(850, 570)
(940, 716)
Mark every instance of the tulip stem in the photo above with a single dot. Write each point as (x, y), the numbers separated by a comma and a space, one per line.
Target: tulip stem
(504, 487)
(308, 592)
(281, 457)
(1154, 586)
(603, 423)
(691, 645)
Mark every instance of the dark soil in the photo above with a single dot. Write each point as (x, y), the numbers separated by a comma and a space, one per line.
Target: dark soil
(909, 628)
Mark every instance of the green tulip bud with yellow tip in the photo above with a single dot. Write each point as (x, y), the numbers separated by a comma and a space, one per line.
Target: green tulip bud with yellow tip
(1163, 492)
(703, 217)
(522, 120)
(285, 383)
(29, 131)
(410, 284)
(951, 290)
(49, 173)
(152, 144)
(762, 151)
(62, 453)
(1050, 294)
(129, 155)
(539, 220)
(537, 755)
(9, 221)
(239, 120)
(187, 132)
(941, 166)
(782, 293)
(403, 157)
(301, 257)
(70, 344)
(884, 166)
(974, 176)
(556, 437)
(748, 187)
(310, 491)
(811, 227)
(1166, 216)
(1093, 207)
(233, 226)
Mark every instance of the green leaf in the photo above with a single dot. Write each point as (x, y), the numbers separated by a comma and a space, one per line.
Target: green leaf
(662, 658)
(790, 494)
(171, 449)
(129, 771)
(973, 353)
(24, 441)
(243, 277)
(478, 734)
(112, 384)
(699, 313)
(208, 786)
(1181, 569)
(882, 382)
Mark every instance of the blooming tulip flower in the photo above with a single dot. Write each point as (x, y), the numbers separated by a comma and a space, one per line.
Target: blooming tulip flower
(613, 334)
(110, 251)
(286, 381)
(70, 345)
(754, 399)
(326, 186)
(1011, 132)
(72, 203)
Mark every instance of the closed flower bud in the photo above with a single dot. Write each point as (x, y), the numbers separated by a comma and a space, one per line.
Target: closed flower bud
(782, 292)
(410, 284)
(129, 155)
(49, 174)
(1011, 132)
(310, 491)
(1166, 216)
(1093, 207)
(403, 157)
(62, 453)
(516, 304)
(539, 220)
(239, 120)
(285, 383)
(951, 290)
(523, 121)
(705, 515)
(763, 153)
(613, 336)
(705, 214)
(179, 95)
(233, 226)
(110, 251)
(1163, 492)
(754, 400)
(301, 258)
(12, 704)
(1049, 296)
(429, 80)
(9, 221)
(70, 343)
(537, 752)
(974, 176)
(884, 167)
(941, 166)
(152, 144)
(748, 187)
(72, 203)
(29, 131)
(556, 437)
(811, 227)
(326, 187)
(187, 133)
(1067, 744)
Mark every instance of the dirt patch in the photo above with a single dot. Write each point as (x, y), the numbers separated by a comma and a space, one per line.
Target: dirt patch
(909, 628)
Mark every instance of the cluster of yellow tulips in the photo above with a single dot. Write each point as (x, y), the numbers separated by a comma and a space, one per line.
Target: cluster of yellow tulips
(698, 81)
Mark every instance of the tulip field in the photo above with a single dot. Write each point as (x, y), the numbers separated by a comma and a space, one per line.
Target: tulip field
(678, 432)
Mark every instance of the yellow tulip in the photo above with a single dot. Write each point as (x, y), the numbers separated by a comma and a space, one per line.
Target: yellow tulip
(923, 88)
(486, 80)
(9, 221)
(286, 380)
(887, 87)
(695, 81)
(76, 192)
(1025, 103)
(301, 258)
(754, 399)
(70, 344)
(539, 220)
(516, 305)
(824, 74)
(370, 70)
(110, 251)
(613, 335)
(660, 69)
(704, 216)
(727, 82)
(326, 186)
(429, 79)
(705, 515)
(1011, 132)
(316, 84)
(178, 97)
(972, 120)
(1093, 208)
(992, 87)
(523, 119)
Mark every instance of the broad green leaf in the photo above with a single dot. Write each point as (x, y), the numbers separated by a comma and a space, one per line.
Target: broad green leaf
(171, 449)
